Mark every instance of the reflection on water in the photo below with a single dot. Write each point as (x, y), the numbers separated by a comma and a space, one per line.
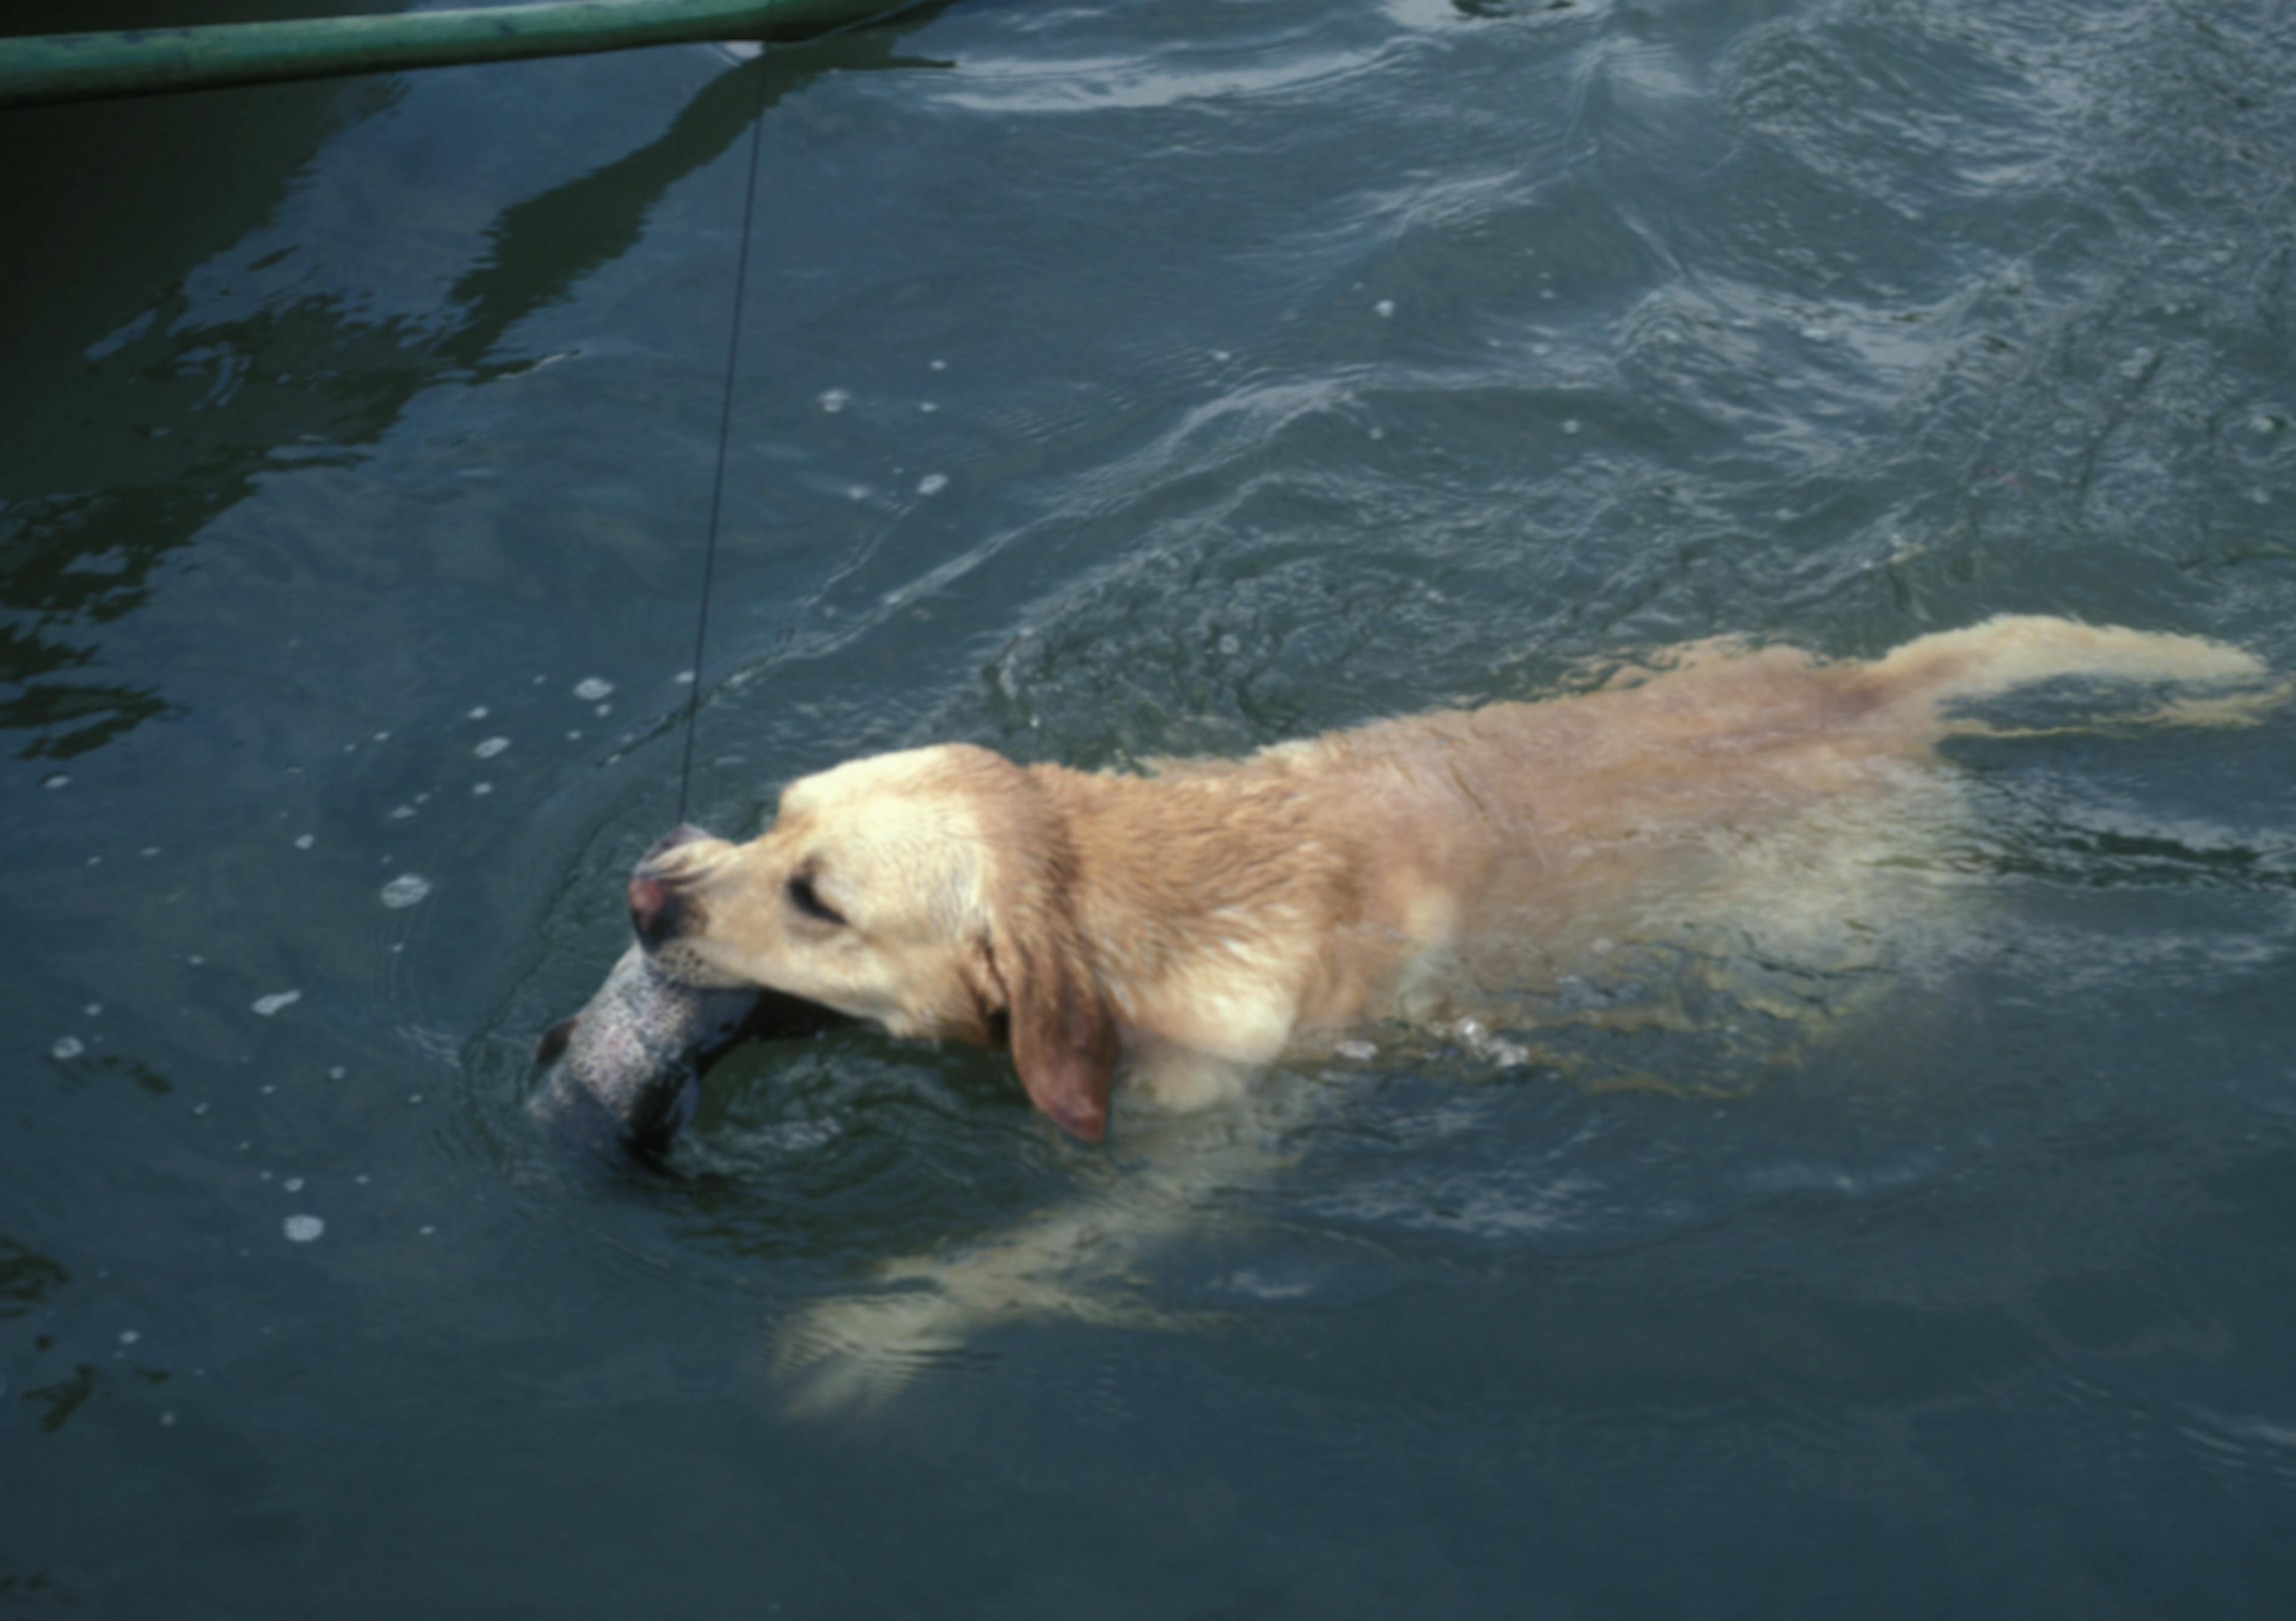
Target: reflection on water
(305, 377)
(25, 1278)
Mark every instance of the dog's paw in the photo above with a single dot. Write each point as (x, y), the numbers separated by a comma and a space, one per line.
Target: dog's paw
(852, 1354)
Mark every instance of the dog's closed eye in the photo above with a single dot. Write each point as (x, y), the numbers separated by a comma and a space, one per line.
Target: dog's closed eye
(807, 899)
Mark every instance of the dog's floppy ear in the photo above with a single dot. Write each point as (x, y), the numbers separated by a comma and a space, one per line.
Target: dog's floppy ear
(1059, 1025)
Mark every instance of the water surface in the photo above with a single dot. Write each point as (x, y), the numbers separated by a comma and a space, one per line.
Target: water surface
(1125, 380)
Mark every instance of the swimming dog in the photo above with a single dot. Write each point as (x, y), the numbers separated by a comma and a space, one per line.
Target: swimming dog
(1177, 931)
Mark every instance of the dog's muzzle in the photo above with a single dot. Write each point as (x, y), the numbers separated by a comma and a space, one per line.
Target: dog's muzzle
(660, 907)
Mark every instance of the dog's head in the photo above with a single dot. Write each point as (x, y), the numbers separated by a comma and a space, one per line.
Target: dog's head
(931, 891)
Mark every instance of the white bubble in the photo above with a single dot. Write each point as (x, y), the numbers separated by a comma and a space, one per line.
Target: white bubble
(833, 400)
(128, 1337)
(482, 788)
(337, 1073)
(406, 889)
(1572, 425)
(932, 483)
(927, 407)
(67, 1047)
(492, 747)
(402, 813)
(940, 365)
(684, 678)
(302, 1229)
(1386, 308)
(94, 1010)
(591, 689)
(293, 1184)
(54, 779)
(268, 1005)
(306, 840)
(478, 714)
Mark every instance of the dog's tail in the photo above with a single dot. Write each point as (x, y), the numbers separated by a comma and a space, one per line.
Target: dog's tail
(2219, 685)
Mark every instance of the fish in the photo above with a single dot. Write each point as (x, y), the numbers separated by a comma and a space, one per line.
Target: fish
(625, 1072)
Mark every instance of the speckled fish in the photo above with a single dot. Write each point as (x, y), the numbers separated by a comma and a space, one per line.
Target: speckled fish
(625, 1070)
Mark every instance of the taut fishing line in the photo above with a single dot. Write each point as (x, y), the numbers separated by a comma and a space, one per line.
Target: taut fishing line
(725, 437)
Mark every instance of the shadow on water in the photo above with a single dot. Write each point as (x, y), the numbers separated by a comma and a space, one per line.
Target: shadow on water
(304, 380)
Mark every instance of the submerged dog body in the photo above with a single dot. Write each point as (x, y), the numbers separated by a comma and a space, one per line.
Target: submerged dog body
(1181, 927)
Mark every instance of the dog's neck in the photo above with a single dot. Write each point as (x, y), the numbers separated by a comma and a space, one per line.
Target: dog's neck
(1226, 954)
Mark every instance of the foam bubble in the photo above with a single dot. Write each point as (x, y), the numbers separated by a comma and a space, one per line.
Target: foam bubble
(268, 1005)
(67, 1047)
(932, 483)
(303, 1229)
(492, 747)
(592, 688)
(407, 889)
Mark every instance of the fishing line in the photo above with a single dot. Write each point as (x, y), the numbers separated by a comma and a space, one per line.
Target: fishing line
(725, 437)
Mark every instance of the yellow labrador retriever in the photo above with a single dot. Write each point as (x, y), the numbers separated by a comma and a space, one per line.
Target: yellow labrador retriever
(1733, 807)
(1178, 931)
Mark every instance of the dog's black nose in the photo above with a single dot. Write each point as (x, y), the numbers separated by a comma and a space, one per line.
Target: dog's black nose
(656, 908)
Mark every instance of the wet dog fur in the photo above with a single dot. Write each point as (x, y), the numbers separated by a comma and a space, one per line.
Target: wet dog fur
(1177, 930)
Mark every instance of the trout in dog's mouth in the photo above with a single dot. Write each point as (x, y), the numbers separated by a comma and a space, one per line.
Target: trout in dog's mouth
(625, 1070)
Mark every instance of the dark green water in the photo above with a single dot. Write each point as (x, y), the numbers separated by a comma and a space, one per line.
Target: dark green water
(1128, 379)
